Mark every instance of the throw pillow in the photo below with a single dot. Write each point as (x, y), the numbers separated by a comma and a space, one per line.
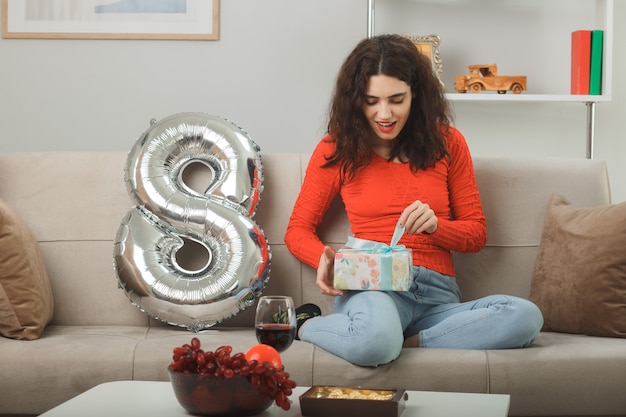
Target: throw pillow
(579, 281)
(26, 304)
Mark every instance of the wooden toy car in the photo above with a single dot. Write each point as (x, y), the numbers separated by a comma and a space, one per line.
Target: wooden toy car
(485, 77)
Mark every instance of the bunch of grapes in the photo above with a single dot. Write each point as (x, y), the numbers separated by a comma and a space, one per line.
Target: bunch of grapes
(270, 381)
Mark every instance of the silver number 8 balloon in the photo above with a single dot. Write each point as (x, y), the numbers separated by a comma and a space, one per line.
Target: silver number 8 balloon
(171, 216)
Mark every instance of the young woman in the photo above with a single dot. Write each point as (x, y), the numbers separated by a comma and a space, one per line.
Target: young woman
(392, 155)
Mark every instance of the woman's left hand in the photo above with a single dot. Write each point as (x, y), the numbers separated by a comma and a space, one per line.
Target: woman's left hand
(418, 218)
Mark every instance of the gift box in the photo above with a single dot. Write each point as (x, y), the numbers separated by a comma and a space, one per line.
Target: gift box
(367, 265)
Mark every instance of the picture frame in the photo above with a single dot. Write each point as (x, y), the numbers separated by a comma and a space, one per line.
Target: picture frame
(429, 46)
(111, 19)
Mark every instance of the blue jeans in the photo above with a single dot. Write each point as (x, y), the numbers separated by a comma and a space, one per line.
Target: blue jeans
(368, 328)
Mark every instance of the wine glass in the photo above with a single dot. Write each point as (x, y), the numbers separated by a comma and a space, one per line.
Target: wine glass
(275, 321)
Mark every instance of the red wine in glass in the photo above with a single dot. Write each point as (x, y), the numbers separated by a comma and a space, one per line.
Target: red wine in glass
(278, 336)
(275, 321)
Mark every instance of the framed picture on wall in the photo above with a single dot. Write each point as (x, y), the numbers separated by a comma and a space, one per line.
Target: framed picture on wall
(111, 19)
(429, 46)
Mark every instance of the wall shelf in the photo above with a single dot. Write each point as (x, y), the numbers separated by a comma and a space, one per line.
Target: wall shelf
(525, 97)
(531, 35)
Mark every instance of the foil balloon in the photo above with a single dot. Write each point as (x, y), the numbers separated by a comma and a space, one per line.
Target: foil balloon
(189, 252)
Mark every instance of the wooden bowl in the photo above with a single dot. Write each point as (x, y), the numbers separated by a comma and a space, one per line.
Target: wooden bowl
(209, 395)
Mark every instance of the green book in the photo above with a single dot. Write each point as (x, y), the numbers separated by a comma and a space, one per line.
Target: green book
(595, 74)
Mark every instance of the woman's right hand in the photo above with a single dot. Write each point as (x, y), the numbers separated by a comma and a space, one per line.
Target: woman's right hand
(325, 273)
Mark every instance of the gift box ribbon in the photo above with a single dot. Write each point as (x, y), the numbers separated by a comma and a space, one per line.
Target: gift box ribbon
(362, 244)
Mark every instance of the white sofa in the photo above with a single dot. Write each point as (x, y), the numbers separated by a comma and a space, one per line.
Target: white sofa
(74, 203)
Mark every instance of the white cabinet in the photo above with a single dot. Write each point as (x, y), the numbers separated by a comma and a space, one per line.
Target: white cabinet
(523, 37)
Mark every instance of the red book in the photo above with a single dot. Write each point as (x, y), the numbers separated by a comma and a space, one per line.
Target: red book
(581, 61)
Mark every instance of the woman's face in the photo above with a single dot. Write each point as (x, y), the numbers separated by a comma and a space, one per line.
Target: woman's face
(387, 105)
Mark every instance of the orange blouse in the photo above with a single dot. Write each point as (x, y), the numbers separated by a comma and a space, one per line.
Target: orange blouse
(377, 195)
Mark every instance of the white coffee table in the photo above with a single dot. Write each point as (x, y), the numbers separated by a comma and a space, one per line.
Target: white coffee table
(153, 399)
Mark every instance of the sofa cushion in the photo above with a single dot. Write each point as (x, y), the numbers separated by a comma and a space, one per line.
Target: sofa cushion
(26, 304)
(579, 280)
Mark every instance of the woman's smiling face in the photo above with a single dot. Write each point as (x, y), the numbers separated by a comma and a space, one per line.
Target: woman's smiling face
(387, 105)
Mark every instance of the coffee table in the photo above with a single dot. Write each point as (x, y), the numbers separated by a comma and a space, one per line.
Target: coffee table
(153, 399)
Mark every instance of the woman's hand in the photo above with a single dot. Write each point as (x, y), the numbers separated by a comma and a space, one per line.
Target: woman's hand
(326, 272)
(419, 218)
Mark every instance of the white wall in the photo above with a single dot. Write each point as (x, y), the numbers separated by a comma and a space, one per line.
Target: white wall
(272, 73)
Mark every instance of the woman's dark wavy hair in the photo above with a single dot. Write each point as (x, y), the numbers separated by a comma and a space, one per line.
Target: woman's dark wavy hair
(421, 142)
